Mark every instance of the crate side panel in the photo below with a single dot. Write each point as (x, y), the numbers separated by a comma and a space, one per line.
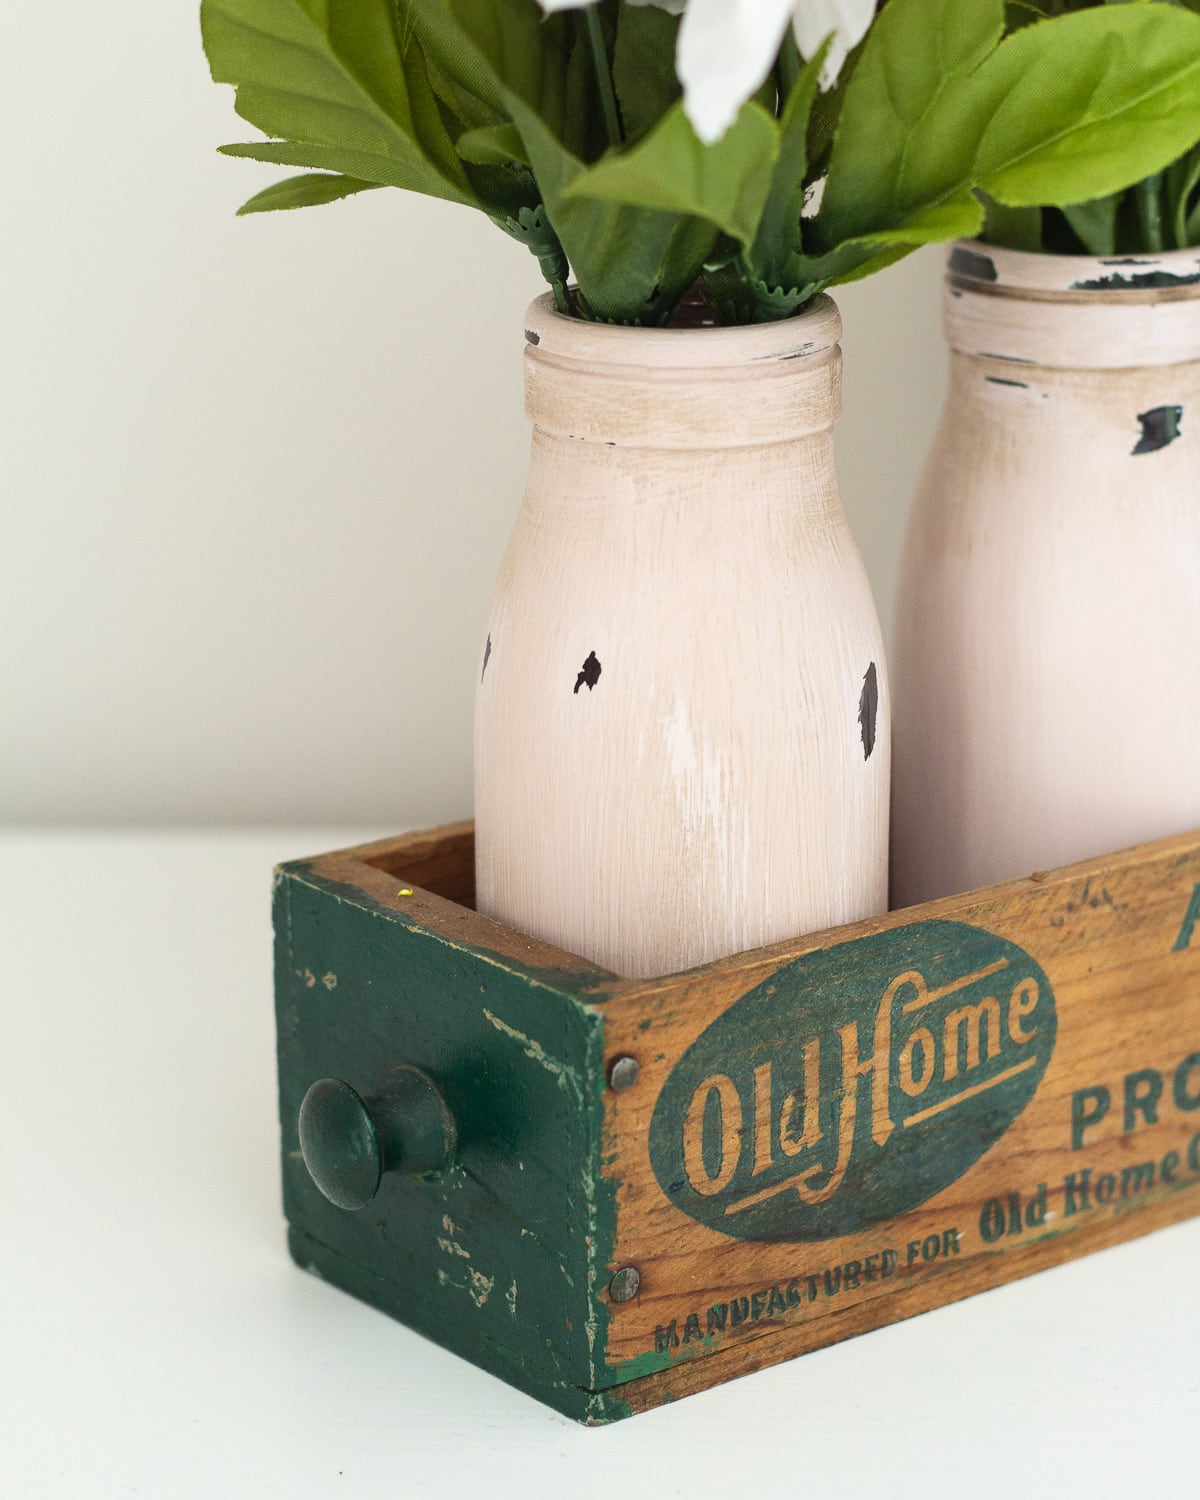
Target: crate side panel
(681, 1378)
(495, 1258)
(996, 1082)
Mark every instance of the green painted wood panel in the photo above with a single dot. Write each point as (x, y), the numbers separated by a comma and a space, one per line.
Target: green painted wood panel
(503, 1258)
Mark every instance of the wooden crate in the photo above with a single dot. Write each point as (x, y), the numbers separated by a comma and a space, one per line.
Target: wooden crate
(658, 1185)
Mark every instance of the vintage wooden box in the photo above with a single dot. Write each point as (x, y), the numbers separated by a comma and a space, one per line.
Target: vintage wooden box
(615, 1192)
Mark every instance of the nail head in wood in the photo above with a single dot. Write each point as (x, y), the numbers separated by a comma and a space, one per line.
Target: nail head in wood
(625, 1283)
(623, 1073)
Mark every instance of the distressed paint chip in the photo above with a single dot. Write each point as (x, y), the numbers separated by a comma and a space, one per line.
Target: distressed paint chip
(564, 1076)
(1160, 425)
(971, 263)
(1008, 359)
(589, 673)
(481, 1287)
(1000, 380)
(531, 337)
(868, 710)
(487, 656)
(1137, 280)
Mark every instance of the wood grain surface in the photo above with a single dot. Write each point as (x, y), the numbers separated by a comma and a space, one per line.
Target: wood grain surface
(1116, 1117)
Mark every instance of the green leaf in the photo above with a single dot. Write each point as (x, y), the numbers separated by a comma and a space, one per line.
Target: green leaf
(871, 264)
(473, 104)
(643, 66)
(1127, 105)
(862, 256)
(672, 169)
(1094, 223)
(739, 297)
(1147, 198)
(959, 217)
(383, 171)
(338, 83)
(305, 191)
(936, 109)
(460, 77)
(907, 132)
(753, 300)
(493, 146)
(1018, 228)
(527, 55)
(827, 112)
(1184, 178)
(1019, 13)
(778, 237)
(632, 264)
(585, 129)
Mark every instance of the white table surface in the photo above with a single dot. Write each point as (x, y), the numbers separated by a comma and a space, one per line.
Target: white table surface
(155, 1339)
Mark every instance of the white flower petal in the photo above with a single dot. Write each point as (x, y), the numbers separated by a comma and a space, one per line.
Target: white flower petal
(726, 48)
(674, 7)
(848, 20)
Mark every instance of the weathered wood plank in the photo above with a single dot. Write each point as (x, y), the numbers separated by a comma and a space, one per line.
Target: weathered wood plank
(903, 1112)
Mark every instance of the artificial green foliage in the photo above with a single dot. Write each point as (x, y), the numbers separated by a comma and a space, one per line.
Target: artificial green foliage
(942, 112)
(776, 237)
(632, 264)
(643, 67)
(338, 87)
(1157, 213)
(726, 183)
(531, 228)
(305, 191)
(568, 130)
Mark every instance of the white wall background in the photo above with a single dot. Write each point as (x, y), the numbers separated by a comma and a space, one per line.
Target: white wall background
(257, 474)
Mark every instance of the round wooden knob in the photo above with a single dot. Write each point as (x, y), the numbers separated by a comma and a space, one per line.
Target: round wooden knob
(348, 1142)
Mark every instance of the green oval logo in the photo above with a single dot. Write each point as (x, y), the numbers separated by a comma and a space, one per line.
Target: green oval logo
(854, 1084)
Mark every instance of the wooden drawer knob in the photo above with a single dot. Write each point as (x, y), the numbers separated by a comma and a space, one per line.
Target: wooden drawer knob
(349, 1142)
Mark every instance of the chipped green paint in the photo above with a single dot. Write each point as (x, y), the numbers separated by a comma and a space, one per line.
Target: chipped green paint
(504, 1257)
(591, 983)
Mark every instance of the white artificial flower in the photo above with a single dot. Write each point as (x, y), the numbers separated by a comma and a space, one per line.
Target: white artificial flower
(847, 20)
(727, 47)
(725, 50)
